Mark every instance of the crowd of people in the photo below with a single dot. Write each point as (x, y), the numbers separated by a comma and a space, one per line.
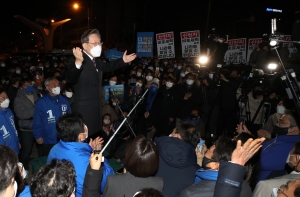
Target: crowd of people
(57, 105)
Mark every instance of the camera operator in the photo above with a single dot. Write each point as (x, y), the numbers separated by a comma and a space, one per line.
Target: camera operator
(229, 86)
(260, 56)
(254, 99)
(217, 49)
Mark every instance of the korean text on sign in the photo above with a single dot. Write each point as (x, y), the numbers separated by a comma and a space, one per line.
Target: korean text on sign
(165, 45)
(236, 53)
(144, 44)
(190, 43)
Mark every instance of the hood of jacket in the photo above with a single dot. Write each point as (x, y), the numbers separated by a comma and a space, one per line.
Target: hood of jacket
(175, 152)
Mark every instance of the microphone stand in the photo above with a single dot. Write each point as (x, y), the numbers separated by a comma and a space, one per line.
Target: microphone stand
(111, 95)
(111, 138)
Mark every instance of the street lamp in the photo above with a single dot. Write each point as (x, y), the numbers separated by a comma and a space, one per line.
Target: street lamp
(76, 6)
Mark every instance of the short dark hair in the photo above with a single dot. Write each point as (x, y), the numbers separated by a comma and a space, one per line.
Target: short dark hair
(224, 149)
(190, 74)
(2, 90)
(141, 157)
(149, 192)
(25, 80)
(188, 133)
(57, 178)
(85, 36)
(244, 137)
(14, 80)
(8, 167)
(297, 148)
(69, 126)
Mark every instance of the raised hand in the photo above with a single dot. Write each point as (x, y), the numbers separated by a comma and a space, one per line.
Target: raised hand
(77, 52)
(128, 58)
(95, 161)
(242, 154)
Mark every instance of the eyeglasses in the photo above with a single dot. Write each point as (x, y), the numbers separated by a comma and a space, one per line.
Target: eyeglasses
(280, 189)
(95, 43)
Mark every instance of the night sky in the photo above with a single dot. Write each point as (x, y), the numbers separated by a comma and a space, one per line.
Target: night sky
(154, 15)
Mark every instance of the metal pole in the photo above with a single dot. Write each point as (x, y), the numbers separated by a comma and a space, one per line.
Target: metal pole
(115, 133)
(207, 22)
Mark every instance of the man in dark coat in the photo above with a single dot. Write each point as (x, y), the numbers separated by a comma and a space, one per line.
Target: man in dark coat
(85, 73)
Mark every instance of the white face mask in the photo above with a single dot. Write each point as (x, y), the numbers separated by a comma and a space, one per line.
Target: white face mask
(165, 63)
(69, 94)
(15, 188)
(96, 51)
(179, 67)
(169, 84)
(56, 90)
(24, 173)
(149, 78)
(106, 121)
(220, 40)
(274, 192)
(186, 72)
(2, 65)
(112, 83)
(280, 109)
(139, 84)
(150, 68)
(190, 81)
(114, 104)
(5, 104)
(55, 65)
(175, 65)
(18, 71)
(182, 74)
(138, 74)
(37, 76)
(161, 69)
(211, 76)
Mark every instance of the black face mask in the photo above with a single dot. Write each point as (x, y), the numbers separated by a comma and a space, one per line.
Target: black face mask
(206, 161)
(280, 131)
(258, 92)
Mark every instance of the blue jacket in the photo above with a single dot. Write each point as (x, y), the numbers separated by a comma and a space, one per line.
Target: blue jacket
(46, 113)
(209, 175)
(79, 154)
(8, 132)
(25, 192)
(274, 154)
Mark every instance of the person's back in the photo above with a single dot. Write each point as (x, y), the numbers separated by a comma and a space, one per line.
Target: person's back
(177, 164)
(274, 154)
(141, 163)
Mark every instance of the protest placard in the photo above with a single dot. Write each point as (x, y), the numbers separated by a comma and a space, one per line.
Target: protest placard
(236, 53)
(144, 44)
(165, 45)
(117, 91)
(287, 43)
(190, 43)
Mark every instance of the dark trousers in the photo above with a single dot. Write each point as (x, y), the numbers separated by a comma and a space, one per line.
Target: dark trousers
(27, 141)
(44, 149)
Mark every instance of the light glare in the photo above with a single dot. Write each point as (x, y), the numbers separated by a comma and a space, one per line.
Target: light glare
(203, 60)
(272, 66)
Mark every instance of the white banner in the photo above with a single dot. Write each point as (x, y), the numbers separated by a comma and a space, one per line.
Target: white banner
(236, 53)
(190, 43)
(252, 44)
(165, 45)
(289, 45)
